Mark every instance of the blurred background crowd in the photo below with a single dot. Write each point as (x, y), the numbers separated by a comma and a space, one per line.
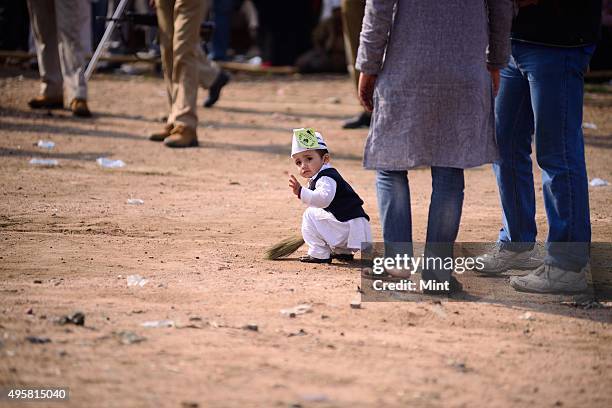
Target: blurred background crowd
(302, 33)
(307, 34)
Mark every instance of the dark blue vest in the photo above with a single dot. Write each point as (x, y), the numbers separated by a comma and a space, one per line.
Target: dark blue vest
(346, 204)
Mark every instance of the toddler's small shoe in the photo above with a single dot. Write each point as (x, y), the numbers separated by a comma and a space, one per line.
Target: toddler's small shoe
(343, 257)
(311, 259)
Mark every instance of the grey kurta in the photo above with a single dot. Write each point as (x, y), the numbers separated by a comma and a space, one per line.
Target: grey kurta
(433, 100)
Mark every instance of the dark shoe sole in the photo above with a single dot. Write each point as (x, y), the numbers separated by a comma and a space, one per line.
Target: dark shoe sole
(343, 257)
(157, 138)
(353, 126)
(47, 106)
(82, 114)
(194, 144)
(362, 121)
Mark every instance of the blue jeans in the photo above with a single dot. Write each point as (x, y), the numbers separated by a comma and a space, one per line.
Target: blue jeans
(393, 193)
(222, 10)
(541, 93)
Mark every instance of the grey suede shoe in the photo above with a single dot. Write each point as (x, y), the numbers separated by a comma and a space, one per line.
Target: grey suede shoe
(501, 260)
(551, 279)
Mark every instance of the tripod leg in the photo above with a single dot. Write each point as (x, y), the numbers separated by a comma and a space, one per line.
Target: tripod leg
(107, 33)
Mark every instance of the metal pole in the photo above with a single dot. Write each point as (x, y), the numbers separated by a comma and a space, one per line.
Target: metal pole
(109, 30)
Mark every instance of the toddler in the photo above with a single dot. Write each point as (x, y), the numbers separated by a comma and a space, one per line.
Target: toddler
(334, 225)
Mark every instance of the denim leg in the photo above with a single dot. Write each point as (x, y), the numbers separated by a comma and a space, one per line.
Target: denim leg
(446, 203)
(514, 129)
(221, 35)
(444, 217)
(556, 85)
(393, 194)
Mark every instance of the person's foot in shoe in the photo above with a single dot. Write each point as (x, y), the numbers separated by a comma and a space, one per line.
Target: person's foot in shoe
(161, 135)
(46, 102)
(181, 136)
(79, 108)
(360, 121)
(501, 260)
(551, 279)
(214, 92)
(312, 259)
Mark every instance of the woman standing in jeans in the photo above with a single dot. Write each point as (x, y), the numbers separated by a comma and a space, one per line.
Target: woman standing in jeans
(429, 70)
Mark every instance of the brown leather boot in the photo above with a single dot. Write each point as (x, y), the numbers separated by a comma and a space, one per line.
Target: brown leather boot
(162, 134)
(46, 102)
(182, 136)
(79, 108)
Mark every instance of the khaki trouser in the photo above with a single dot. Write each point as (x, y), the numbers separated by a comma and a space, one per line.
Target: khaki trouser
(57, 26)
(352, 17)
(208, 70)
(179, 35)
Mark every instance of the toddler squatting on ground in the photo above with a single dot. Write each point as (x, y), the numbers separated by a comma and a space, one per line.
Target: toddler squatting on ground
(334, 225)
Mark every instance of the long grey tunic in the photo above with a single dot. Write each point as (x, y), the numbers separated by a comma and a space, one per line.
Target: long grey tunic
(433, 100)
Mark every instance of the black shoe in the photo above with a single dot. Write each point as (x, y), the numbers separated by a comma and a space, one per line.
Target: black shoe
(215, 89)
(310, 259)
(360, 121)
(454, 286)
(343, 257)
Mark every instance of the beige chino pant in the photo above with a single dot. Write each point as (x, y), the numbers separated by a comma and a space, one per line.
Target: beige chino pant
(208, 70)
(57, 26)
(179, 35)
(352, 18)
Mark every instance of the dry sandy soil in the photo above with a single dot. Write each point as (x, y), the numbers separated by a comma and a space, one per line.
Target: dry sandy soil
(68, 240)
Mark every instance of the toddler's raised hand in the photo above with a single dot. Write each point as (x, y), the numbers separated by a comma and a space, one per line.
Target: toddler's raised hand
(295, 185)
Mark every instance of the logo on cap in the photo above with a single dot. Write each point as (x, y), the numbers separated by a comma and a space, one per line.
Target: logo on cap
(306, 138)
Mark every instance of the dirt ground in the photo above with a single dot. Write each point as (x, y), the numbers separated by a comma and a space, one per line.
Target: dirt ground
(68, 241)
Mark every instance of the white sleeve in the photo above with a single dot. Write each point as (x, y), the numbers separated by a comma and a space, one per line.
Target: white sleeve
(322, 195)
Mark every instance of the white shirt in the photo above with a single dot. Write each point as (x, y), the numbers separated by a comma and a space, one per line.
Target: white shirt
(324, 192)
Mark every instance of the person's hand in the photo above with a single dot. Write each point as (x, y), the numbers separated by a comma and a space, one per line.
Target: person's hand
(295, 185)
(366, 91)
(495, 79)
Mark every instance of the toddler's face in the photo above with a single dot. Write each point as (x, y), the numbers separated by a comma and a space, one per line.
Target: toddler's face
(309, 162)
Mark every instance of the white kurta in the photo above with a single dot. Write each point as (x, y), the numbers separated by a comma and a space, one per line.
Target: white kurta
(322, 232)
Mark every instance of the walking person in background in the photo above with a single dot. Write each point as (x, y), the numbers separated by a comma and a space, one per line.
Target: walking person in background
(541, 94)
(352, 17)
(57, 26)
(424, 74)
(222, 15)
(211, 77)
(179, 34)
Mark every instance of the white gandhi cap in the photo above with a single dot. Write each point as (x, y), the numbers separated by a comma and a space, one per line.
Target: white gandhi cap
(307, 139)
